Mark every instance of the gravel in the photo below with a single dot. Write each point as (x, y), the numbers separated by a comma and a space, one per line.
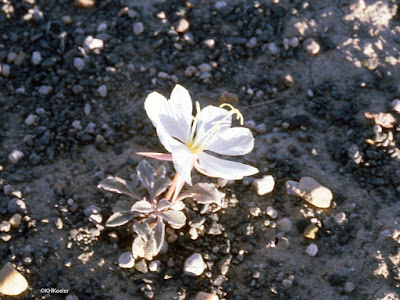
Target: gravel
(264, 185)
(194, 265)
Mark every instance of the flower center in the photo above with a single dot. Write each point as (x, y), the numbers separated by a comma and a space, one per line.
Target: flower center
(198, 142)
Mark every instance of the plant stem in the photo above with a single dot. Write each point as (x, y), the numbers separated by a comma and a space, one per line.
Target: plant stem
(172, 187)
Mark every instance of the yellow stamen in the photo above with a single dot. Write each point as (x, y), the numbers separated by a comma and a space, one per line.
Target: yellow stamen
(203, 139)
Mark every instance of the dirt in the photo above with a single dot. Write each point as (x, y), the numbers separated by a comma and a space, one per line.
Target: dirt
(313, 109)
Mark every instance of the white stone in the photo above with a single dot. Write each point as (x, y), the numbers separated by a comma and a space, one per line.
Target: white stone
(312, 250)
(102, 90)
(15, 220)
(311, 46)
(15, 156)
(45, 89)
(206, 296)
(194, 265)
(210, 43)
(126, 260)
(92, 43)
(255, 211)
(12, 283)
(79, 63)
(314, 193)
(264, 185)
(272, 212)
(182, 26)
(154, 265)
(396, 105)
(138, 28)
(292, 188)
(36, 58)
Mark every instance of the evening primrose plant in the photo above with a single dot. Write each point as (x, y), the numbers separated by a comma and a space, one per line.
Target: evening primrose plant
(186, 138)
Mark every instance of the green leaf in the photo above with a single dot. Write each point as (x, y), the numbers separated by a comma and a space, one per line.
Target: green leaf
(121, 206)
(146, 174)
(120, 218)
(159, 233)
(117, 185)
(176, 219)
(161, 185)
(138, 246)
(205, 193)
(163, 204)
(142, 206)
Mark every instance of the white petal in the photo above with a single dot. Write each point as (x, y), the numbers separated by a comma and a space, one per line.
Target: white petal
(183, 161)
(181, 102)
(166, 140)
(226, 169)
(233, 141)
(165, 116)
(210, 115)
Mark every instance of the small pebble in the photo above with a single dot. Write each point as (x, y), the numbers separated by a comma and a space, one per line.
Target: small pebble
(31, 120)
(85, 3)
(340, 218)
(5, 226)
(260, 128)
(102, 90)
(284, 225)
(206, 296)
(67, 20)
(76, 125)
(92, 209)
(255, 211)
(272, 212)
(36, 58)
(287, 283)
(15, 156)
(126, 260)
(210, 43)
(292, 188)
(15, 220)
(154, 265)
(102, 27)
(264, 185)
(349, 287)
(311, 46)
(396, 105)
(91, 43)
(294, 42)
(45, 90)
(314, 193)
(190, 71)
(79, 63)
(194, 265)
(311, 231)
(312, 250)
(138, 28)
(204, 67)
(16, 205)
(5, 70)
(12, 283)
(182, 26)
(273, 48)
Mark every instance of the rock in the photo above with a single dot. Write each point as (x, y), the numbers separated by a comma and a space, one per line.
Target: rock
(16, 205)
(102, 27)
(76, 125)
(206, 296)
(204, 68)
(12, 283)
(102, 90)
(11, 56)
(294, 42)
(15, 156)
(314, 193)
(264, 185)
(36, 58)
(273, 48)
(284, 225)
(45, 90)
(228, 97)
(210, 43)
(252, 42)
(15, 220)
(312, 250)
(260, 128)
(182, 26)
(340, 218)
(190, 71)
(91, 43)
(287, 283)
(141, 266)
(35, 159)
(271, 212)
(5, 70)
(79, 63)
(5, 226)
(292, 188)
(92, 209)
(31, 120)
(255, 211)
(85, 3)
(126, 260)
(138, 28)
(311, 231)
(349, 287)
(396, 105)
(194, 265)
(19, 60)
(67, 20)
(311, 46)
(154, 265)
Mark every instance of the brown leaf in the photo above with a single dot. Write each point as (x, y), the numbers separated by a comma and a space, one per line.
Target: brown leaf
(385, 120)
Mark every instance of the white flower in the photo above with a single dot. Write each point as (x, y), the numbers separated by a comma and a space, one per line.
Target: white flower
(187, 137)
